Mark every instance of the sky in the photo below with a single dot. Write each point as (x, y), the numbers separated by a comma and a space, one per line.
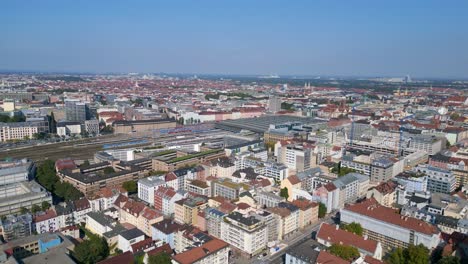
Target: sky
(422, 38)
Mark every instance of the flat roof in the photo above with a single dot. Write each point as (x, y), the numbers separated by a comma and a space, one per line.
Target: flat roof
(260, 124)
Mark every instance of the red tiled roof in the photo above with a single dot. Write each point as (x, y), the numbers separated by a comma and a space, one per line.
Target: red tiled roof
(150, 214)
(123, 258)
(82, 204)
(335, 235)
(143, 245)
(133, 207)
(386, 187)
(330, 186)
(371, 260)
(63, 164)
(49, 214)
(326, 258)
(166, 248)
(372, 209)
(198, 253)
(170, 177)
(304, 204)
(293, 179)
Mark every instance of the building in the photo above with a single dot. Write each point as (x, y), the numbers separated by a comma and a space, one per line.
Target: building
(214, 251)
(186, 210)
(246, 233)
(276, 171)
(332, 234)
(22, 194)
(90, 179)
(304, 253)
(37, 248)
(438, 180)
(76, 111)
(392, 230)
(198, 187)
(182, 159)
(147, 187)
(165, 198)
(91, 127)
(287, 219)
(125, 127)
(274, 104)
(128, 238)
(16, 171)
(14, 227)
(22, 130)
(308, 212)
(297, 157)
(352, 186)
(227, 189)
(165, 231)
(268, 199)
(384, 193)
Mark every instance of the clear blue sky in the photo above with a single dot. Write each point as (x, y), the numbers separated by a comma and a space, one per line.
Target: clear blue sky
(349, 37)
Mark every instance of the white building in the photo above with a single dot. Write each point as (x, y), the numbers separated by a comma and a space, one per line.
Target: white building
(147, 187)
(246, 233)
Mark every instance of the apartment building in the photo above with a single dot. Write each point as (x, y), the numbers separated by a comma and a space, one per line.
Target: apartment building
(214, 251)
(276, 171)
(268, 199)
(186, 210)
(227, 189)
(147, 187)
(384, 193)
(308, 212)
(246, 233)
(438, 180)
(198, 187)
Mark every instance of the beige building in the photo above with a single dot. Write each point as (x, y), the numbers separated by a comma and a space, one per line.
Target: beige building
(90, 180)
(308, 212)
(125, 127)
(384, 193)
(186, 210)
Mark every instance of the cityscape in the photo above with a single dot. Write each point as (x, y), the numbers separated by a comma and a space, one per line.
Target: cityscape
(187, 159)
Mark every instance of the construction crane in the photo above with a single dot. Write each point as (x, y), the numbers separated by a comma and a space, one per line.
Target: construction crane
(400, 142)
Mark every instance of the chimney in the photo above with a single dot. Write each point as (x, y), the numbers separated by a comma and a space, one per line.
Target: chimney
(337, 227)
(365, 237)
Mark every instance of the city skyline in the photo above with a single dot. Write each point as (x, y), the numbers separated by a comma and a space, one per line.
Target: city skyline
(314, 39)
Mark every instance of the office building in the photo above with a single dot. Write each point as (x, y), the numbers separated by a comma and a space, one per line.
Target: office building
(76, 111)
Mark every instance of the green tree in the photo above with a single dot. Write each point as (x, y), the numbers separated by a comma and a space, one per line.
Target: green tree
(92, 250)
(66, 191)
(45, 205)
(449, 260)
(24, 210)
(284, 193)
(161, 258)
(344, 251)
(85, 163)
(354, 227)
(35, 208)
(396, 257)
(412, 255)
(322, 210)
(130, 186)
(46, 175)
